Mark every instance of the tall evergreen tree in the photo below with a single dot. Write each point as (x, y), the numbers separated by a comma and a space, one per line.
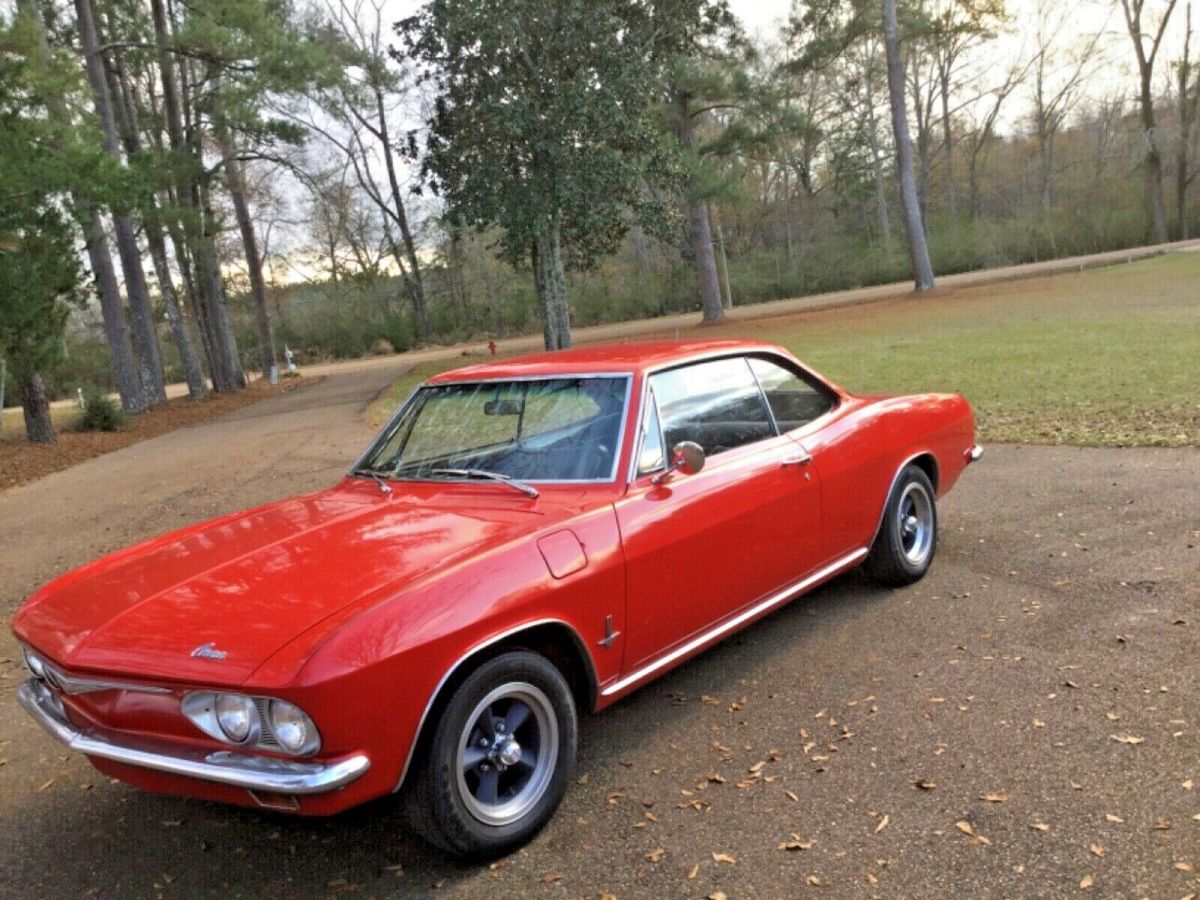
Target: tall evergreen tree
(39, 267)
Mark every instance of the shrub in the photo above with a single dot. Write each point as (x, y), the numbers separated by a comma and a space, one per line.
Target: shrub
(100, 413)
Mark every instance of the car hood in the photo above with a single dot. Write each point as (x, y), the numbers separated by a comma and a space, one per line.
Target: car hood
(244, 585)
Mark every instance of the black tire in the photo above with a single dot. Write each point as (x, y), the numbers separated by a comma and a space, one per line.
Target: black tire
(903, 552)
(465, 799)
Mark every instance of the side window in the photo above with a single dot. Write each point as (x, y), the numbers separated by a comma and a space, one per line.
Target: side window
(650, 456)
(794, 401)
(716, 404)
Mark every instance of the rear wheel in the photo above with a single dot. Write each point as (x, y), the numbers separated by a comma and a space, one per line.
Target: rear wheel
(907, 539)
(499, 760)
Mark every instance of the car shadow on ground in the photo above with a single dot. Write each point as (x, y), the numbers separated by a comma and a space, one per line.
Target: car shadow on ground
(124, 841)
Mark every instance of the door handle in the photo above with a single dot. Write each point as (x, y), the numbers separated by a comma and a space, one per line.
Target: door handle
(800, 459)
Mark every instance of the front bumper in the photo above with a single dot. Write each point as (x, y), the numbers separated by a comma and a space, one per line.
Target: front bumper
(254, 773)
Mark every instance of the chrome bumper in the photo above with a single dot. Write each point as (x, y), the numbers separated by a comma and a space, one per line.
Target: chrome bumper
(973, 453)
(254, 773)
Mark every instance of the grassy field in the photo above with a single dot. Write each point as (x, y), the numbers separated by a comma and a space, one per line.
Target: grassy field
(1107, 357)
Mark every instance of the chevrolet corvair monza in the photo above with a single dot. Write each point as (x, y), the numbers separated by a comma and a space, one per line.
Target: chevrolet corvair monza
(525, 540)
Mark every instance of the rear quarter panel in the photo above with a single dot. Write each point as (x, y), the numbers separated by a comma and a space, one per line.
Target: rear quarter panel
(861, 450)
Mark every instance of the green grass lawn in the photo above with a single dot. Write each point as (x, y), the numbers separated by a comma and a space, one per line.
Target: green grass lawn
(1109, 357)
(1106, 357)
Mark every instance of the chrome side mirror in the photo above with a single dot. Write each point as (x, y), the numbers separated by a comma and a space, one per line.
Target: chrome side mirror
(687, 458)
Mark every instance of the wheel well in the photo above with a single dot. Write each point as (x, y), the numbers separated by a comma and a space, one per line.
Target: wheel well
(553, 640)
(928, 464)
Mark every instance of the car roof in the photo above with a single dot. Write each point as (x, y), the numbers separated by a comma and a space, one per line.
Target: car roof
(634, 358)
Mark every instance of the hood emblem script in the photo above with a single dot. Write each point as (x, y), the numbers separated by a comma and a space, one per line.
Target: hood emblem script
(209, 651)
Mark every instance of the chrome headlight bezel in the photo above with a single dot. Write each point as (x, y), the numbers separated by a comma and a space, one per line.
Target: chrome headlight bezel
(34, 663)
(200, 708)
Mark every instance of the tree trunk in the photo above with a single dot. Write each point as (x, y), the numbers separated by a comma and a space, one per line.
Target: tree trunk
(551, 285)
(38, 427)
(193, 374)
(699, 230)
(881, 203)
(1187, 113)
(236, 182)
(131, 136)
(1154, 188)
(116, 331)
(723, 260)
(144, 338)
(913, 227)
(1153, 160)
(948, 143)
(416, 287)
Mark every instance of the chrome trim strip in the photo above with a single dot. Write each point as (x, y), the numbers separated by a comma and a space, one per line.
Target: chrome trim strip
(257, 773)
(766, 353)
(483, 645)
(741, 618)
(77, 684)
(892, 487)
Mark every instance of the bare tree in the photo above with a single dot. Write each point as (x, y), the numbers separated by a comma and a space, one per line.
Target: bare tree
(955, 27)
(1133, 10)
(914, 229)
(1188, 99)
(983, 132)
(362, 107)
(1057, 86)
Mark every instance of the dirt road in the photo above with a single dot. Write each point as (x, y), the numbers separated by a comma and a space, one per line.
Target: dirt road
(1022, 721)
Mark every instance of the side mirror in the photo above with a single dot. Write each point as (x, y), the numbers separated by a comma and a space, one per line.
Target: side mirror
(687, 458)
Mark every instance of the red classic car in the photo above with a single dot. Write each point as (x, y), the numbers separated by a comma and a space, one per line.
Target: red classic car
(509, 551)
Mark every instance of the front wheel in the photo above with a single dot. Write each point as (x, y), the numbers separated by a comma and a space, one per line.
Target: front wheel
(907, 539)
(499, 760)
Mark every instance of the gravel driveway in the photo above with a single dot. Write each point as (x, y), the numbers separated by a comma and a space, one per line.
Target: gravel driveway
(1024, 722)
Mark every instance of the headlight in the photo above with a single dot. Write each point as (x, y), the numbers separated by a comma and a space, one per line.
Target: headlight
(292, 728)
(261, 722)
(237, 716)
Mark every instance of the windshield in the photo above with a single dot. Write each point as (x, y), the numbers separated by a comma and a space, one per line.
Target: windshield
(556, 429)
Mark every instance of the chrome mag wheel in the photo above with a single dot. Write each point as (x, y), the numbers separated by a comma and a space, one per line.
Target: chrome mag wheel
(915, 518)
(507, 753)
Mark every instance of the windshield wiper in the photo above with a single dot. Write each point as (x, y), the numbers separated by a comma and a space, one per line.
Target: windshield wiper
(377, 475)
(521, 486)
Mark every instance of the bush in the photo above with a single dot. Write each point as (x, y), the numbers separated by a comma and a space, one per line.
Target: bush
(100, 413)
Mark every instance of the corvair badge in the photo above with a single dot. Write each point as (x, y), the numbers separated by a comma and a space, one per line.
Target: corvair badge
(209, 651)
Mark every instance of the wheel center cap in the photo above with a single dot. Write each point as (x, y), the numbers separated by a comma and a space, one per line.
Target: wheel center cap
(509, 753)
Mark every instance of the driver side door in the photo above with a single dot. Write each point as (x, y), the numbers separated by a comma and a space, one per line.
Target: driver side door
(700, 547)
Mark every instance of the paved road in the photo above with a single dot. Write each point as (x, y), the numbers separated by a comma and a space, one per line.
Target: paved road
(1063, 609)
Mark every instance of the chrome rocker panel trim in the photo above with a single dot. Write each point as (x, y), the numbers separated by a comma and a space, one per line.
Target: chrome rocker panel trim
(255, 773)
(724, 628)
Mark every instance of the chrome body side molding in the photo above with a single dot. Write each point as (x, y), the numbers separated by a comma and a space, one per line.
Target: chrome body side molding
(724, 628)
